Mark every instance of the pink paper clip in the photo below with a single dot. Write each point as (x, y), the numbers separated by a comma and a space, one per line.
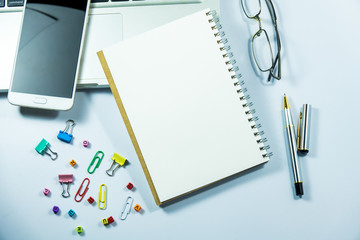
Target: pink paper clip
(84, 192)
(65, 179)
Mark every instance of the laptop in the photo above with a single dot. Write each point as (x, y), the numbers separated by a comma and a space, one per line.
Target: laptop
(109, 21)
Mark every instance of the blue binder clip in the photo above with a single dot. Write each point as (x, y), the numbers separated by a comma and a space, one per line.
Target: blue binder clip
(66, 135)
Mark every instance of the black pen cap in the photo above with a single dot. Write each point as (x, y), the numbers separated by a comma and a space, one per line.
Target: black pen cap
(303, 129)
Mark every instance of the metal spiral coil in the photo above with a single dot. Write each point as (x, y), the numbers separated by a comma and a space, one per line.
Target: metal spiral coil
(256, 126)
(253, 119)
(241, 90)
(235, 76)
(251, 111)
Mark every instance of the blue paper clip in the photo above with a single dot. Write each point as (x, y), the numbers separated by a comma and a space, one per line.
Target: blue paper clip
(99, 159)
(42, 148)
(66, 135)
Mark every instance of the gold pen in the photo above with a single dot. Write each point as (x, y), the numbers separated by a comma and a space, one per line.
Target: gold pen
(289, 125)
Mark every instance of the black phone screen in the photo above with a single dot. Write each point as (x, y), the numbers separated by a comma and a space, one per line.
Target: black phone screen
(49, 47)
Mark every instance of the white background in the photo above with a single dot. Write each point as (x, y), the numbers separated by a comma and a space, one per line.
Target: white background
(320, 58)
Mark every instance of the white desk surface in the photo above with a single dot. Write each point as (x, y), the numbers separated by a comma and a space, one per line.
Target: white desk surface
(320, 61)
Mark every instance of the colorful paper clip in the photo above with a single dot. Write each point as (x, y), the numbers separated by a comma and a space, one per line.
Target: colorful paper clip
(66, 135)
(99, 159)
(118, 161)
(84, 192)
(102, 203)
(65, 179)
(43, 146)
(127, 208)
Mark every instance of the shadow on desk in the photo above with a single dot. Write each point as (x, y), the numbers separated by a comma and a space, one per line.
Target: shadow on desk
(78, 110)
(35, 112)
(210, 189)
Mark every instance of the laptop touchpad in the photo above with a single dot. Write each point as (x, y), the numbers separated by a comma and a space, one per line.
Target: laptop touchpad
(103, 30)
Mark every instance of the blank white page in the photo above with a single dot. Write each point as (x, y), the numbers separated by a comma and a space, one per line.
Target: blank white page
(183, 107)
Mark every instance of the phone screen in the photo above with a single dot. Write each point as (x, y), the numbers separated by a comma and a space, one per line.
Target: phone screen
(49, 47)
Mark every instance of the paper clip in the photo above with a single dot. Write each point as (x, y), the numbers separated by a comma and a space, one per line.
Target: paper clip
(96, 157)
(100, 199)
(84, 192)
(118, 160)
(127, 208)
(65, 179)
(43, 146)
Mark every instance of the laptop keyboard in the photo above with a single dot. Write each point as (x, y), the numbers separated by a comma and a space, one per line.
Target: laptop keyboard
(16, 5)
(11, 3)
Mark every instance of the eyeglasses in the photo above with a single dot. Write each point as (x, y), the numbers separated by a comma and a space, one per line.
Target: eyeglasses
(260, 42)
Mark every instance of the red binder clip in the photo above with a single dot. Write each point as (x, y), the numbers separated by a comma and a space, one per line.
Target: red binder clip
(84, 192)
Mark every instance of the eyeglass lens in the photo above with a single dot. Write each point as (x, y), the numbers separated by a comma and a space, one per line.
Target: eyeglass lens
(252, 8)
(262, 51)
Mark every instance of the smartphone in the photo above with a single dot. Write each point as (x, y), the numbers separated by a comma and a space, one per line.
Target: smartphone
(48, 54)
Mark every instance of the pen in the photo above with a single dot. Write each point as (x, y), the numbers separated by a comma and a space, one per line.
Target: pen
(292, 146)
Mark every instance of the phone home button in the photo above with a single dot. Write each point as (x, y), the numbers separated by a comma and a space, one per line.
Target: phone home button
(40, 100)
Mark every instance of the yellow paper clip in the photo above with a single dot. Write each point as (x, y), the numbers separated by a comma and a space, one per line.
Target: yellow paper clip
(102, 203)
(118, 160)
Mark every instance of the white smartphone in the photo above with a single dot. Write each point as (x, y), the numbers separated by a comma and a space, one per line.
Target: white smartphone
(48, 54)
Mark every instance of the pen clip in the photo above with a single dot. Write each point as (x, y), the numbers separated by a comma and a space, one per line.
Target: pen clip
(298, 131)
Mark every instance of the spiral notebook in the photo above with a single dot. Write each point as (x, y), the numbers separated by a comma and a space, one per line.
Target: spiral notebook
(183, 105)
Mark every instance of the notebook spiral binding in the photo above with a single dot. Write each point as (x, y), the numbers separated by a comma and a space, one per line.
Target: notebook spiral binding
(239, 84)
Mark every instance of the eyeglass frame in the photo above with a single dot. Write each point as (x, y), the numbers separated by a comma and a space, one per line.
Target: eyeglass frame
(277, 61)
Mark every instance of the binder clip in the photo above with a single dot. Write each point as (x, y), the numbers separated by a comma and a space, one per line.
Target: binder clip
(102, 203)
(84, 192)
(66, 135)
(42, 148)
(65, 179)
(118, 161)
(98, 158)
(127, 208)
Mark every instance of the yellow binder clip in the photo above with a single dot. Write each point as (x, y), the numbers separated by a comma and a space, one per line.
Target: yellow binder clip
(102, 203)
(118, 161)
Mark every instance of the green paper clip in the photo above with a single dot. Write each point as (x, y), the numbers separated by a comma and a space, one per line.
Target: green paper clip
(99, 159)
(43, 146)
